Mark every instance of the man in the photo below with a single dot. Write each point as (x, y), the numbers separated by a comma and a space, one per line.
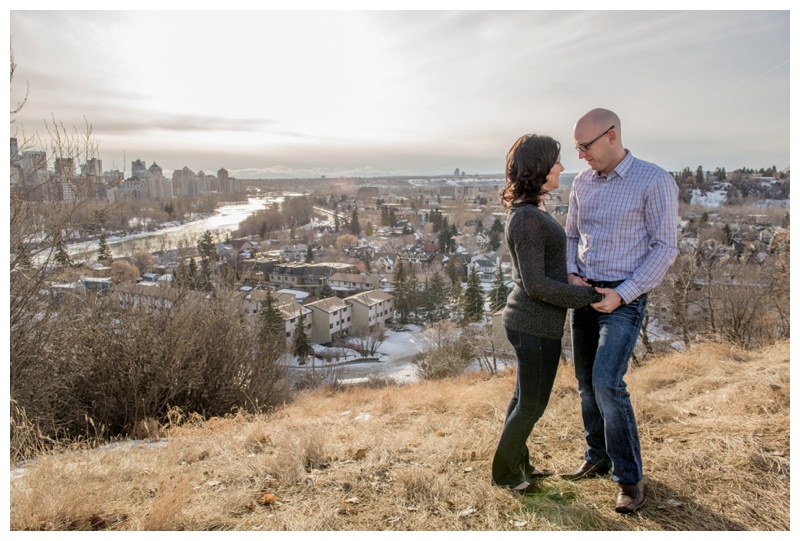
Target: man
(621, 238)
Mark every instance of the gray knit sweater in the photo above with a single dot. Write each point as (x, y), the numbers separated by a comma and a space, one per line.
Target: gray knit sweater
(539, 301)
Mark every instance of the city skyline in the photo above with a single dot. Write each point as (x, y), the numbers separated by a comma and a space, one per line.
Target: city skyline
(277, 94)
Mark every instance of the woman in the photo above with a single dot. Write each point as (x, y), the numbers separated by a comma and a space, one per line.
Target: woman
(537, 307)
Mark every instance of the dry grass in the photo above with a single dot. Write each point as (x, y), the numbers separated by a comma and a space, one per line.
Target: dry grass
(714, 426)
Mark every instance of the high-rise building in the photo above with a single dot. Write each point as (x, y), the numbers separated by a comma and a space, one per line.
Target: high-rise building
(138, 169)
(64, 168)
(14, 150)
(92, 167)
(34, 166)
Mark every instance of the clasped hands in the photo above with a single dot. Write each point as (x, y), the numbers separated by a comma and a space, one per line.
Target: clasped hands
(610, 301)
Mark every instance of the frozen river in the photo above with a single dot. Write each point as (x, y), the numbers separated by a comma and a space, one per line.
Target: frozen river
(225, 219)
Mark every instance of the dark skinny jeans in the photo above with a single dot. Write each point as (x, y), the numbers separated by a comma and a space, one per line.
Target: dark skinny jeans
(537, 364)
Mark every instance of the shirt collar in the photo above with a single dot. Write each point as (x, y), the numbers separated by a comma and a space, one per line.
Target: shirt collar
(621, 170)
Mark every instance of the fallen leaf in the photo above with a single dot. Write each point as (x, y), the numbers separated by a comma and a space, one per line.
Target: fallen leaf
(97, 522)
(412, 508)
(777, 453)
(353, 500)
(361, 454)
(466, 512)
(347, 487)
(468, 469)
(268, 499)
(440, 432)
(346, 511)
(674, 503)
(774, 387)
(520, 523)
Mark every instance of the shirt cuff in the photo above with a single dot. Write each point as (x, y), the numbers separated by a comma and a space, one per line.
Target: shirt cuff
(627, 292)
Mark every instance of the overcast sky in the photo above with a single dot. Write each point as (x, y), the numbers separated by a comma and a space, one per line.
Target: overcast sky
(366, 93)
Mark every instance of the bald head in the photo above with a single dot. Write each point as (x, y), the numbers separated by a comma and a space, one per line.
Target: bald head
(600, 119)
(598, 138)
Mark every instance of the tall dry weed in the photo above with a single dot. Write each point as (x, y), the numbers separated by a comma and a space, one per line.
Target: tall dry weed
(713, 422)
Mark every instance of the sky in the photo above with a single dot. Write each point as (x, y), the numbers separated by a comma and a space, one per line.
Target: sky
(285, 94)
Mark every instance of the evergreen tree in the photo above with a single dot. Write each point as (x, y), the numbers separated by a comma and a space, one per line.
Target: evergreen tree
(497, 226)
(103, 252)
(368, 230)
(335, 223)
(309, 255)
(499, 292)
(456, 302)
(355, 227)
(61, 256)
(401, 292)
(446, 241)
(208, 255)
(326, 291)
(436, 298)
(473, 299)
(271, 327)
(494, 240)
(192, 274)
(413, 296)
(301, 346)
(452, 272)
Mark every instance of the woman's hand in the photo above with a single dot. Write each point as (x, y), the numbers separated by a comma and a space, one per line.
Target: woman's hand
(576, 280)
(610, 302)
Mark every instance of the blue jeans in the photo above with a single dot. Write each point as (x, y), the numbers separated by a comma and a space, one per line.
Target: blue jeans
(602, 345)
(537, 364)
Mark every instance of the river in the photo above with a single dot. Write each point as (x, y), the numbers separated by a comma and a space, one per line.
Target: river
(225, 219)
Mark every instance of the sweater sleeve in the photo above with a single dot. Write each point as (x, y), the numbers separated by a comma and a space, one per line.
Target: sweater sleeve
(531, 236)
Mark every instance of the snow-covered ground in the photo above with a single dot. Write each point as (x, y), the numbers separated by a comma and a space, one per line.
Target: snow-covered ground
(393, 359)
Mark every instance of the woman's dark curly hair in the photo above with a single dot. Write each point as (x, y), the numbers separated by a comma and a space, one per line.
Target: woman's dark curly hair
(528, 163)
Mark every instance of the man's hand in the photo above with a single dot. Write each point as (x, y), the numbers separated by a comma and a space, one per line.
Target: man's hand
(611, 300)
(576, 280)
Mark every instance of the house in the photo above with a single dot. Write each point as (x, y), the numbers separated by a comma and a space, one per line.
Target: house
(485, 267)
(330, 319)
(384, 263)
(349, 283)
(133, 296)
(295, 252)
(255, 299)
(371, 309)
(95, 269)
(306, 276)
(291, 317)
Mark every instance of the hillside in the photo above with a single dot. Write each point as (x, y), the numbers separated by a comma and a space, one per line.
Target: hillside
(714, 425)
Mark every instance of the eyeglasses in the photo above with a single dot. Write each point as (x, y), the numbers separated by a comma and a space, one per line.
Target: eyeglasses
(585, 146)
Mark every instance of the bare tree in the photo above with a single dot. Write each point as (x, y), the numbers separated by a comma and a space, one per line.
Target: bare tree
(366, 340)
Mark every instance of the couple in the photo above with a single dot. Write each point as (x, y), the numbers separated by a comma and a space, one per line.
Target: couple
(620, 239)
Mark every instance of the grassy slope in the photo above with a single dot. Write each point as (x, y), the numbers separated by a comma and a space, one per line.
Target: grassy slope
(714, 425)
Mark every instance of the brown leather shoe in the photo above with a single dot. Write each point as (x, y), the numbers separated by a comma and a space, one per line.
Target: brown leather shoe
(586, 471)
(630, 497)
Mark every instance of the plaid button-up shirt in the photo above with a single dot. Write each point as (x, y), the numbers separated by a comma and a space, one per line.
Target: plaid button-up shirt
(623, 226)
